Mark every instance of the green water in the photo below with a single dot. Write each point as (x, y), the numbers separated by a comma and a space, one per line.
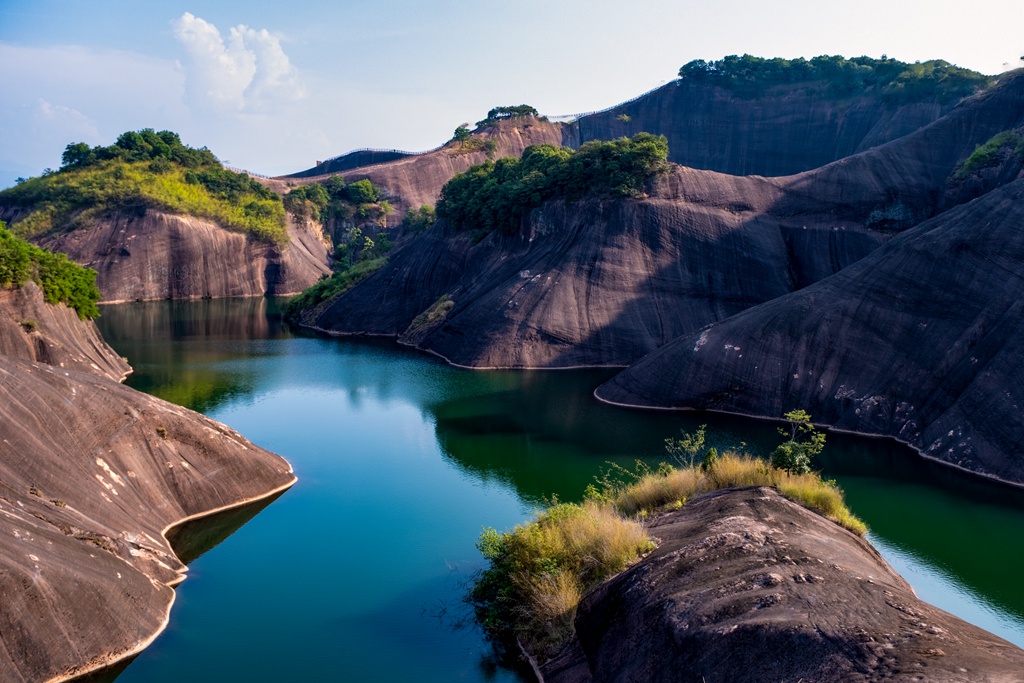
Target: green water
(357, 573)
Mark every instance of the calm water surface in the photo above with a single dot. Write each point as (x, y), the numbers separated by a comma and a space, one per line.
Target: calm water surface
(357, 573)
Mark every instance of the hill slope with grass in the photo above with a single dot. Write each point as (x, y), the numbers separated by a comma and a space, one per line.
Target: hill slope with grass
(158, 219)
(414, 180)
(94, 475)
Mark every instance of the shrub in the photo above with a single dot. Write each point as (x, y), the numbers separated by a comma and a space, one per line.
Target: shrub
(539, 571)
(685, 449)
(804, 443)
(497, 194)
(419, 220)
(992, 153)
(61, 280)
(509, 112)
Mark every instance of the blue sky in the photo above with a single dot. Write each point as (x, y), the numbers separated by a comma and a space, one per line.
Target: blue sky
(275, 86)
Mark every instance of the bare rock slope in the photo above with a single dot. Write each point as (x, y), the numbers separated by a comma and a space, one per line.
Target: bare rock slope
(785, 130)
(748, 586)
(92, 474)
(157, 255)
(31, 329)
(921, 341)
(603, 282)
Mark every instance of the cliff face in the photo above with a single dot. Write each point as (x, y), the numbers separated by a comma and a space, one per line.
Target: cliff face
(788, 130)
(33, 330)
(590, 283)
(747, 586)
(602, 282)
(92, 474)
(158, 255)
(921, 340)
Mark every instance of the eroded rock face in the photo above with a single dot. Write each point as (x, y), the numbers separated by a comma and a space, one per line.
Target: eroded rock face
(603, 282)
(785, 131)
(157, 255)
(31, 329)
(92, 474)
(747, 586)
(921, 341)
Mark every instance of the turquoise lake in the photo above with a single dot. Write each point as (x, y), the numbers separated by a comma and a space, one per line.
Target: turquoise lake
(357, 573)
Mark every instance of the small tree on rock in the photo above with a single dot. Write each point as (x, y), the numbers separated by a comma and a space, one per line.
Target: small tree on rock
(685, 449)
(805, 442)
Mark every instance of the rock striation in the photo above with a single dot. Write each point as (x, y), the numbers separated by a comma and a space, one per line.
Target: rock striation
(920, 341)
(158, 255)
(92, 476)
(33, 330)
(603, 282)
(748, 586)
(786, 130)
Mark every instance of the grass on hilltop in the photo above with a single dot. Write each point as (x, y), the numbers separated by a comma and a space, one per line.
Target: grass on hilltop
(144, 169)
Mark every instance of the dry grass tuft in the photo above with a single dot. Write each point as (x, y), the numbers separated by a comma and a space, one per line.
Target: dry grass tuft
(540, 570)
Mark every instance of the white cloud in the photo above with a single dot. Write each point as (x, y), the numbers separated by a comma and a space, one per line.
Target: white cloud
(247, 71)
(53, 96)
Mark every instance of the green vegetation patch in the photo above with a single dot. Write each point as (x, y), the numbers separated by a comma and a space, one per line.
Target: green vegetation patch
(496, 195)
(992, 153)
(419, 220)
(896, 81)
(61, 280)
(330, 288)
(334, 198)
(145, 170)
(509, 112)
(539, 571)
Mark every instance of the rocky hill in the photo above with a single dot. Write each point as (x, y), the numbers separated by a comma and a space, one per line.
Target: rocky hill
(751, 116)
(92, 476)
(919, 341)
(416, 179)
(158, 219)
(747, 586)
(605, 281)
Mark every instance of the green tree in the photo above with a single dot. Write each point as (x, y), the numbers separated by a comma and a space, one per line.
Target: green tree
(805, 442)
(461, 134)
(685, 449)
(362, 192)
(76, 155)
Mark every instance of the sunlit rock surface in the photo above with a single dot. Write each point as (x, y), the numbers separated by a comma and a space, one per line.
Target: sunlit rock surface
(748, 586)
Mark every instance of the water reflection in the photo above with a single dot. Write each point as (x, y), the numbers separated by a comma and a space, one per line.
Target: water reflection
(179, 349)
(538, 434)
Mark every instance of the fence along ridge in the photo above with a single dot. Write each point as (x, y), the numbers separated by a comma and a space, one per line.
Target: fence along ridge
(565, 118)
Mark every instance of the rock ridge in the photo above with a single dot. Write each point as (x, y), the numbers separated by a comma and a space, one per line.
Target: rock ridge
(748, 586)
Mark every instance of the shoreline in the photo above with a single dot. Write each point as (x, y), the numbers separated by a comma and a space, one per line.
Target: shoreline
(101, 662)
